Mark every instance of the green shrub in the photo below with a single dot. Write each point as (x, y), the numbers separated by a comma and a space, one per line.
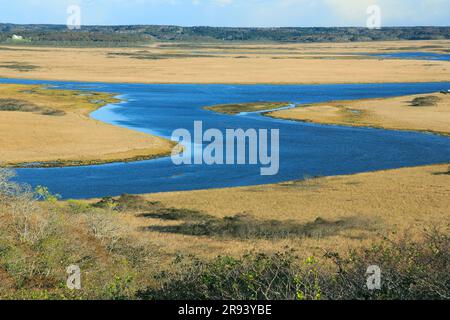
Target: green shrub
(44, 194)
(77, 207)
(174, 214)
(410, 270)
(17, 105)
(255, 276)
(106, 203)
(119, 288)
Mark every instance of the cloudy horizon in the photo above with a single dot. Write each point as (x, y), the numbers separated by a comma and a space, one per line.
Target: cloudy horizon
(229, 13)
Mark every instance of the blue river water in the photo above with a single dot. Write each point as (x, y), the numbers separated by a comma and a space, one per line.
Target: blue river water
(305, 149)
(413, 56)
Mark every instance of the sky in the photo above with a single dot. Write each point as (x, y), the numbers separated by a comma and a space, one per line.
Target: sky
(231, 13)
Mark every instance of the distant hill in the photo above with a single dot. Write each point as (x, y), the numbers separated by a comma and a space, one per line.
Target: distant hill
(137, 34)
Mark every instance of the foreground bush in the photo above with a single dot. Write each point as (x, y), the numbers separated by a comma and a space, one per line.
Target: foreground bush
(40, 237)
(410, 270)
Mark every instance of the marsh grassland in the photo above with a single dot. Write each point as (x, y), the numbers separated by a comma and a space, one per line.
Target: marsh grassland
(308, 239)
(52, 127)
(244, 63)
(427, 113)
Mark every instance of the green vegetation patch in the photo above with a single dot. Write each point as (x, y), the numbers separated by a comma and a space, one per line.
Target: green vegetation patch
(352, 116)
(236, 108)
(411, 270)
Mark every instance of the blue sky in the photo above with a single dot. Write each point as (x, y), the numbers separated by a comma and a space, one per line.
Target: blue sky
(264, 13)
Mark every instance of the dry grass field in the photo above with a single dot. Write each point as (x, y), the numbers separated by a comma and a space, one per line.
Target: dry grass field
(341, 212)
(429, 113)
(53, 127)
(227, 63)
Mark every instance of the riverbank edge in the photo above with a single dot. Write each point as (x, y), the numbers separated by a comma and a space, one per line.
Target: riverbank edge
(425, 166)
(83, 163)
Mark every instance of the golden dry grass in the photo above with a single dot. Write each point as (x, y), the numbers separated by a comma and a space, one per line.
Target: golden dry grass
(229, 63)
(72, 138)
(385, 203)
(393, 113)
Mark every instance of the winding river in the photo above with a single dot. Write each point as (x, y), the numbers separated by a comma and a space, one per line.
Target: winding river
(305, 149)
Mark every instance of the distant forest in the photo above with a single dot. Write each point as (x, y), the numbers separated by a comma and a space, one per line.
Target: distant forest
(134, 35)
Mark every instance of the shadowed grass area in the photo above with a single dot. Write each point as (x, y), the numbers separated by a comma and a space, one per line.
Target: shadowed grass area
(220, 46)
(244, 226)
(428, 101)
(241, 226)
(145, 55)
(19, 66)
(25, 106)
(443, 173)
(233, 109)
(173, 214)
